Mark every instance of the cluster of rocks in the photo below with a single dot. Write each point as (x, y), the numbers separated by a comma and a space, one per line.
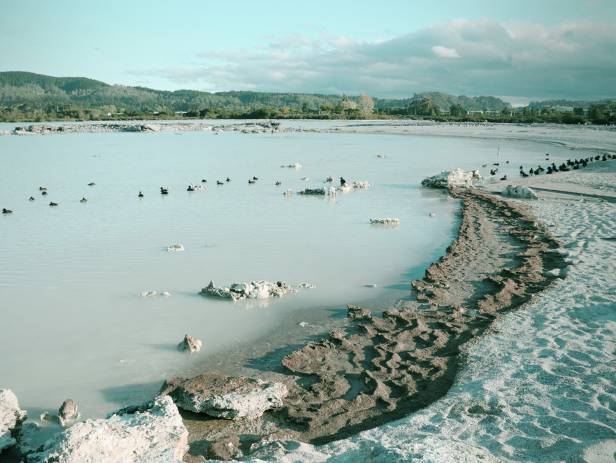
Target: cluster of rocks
(454, 178)
(251, 290)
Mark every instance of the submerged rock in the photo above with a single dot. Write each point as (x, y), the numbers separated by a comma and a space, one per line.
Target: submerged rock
(230, 397)
(155, 434)
(385, 221)
(68, 412)
(11, 417)
(153, 293)
(313, 191)
(252, 290)
(190, 344)
(454, 178)
(519, 191)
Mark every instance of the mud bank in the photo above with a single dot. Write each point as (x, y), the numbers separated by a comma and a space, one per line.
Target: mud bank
(375, 369)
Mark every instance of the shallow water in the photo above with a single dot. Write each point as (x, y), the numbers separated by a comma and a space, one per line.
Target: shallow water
(72, 321)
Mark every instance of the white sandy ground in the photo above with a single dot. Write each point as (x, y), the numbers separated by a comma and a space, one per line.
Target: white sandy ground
(542, 385)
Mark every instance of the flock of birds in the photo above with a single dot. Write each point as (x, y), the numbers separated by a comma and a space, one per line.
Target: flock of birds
(553, 168)
(550, 169)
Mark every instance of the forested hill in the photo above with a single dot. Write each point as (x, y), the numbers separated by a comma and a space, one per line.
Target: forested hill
(37, 93)
(26, 96)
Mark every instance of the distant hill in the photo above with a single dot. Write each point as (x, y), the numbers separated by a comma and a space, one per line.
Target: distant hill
(567, 103)
(66, 84)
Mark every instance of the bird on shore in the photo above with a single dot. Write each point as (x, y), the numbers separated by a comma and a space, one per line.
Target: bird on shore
(140, 195)
(52, 204)
(6, 211)
(342, 181)
(164, 191)
(83, 200)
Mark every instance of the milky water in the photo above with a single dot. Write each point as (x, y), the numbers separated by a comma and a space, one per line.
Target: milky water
(72, 323)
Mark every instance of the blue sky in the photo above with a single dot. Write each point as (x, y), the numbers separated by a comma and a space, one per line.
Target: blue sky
(520, 49)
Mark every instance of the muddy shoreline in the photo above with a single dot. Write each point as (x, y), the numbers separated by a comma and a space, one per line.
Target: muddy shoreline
(373, 369)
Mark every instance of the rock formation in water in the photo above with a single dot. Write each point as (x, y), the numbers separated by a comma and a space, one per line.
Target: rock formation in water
(190, 344)
(385, 221)
(454, 178)
(68, 412)
(252, 290)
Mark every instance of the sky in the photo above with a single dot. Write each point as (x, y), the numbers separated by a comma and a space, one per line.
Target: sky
(519, 50)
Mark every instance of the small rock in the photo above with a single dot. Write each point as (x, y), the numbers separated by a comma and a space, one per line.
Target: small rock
(370, 285)
(68, 412)
(190, 344)
(175, 248)
(225, 449)
(385, 221)
(358, 313)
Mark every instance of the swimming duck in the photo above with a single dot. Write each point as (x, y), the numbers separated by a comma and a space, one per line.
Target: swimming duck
(190, 188)
(278, 183)
(31, 198)
(203, 180)
(255, 178)
(6, 211)
(504, 177)
(164, 191)
(52, 204)
(83, 200)
(228, 179)
(42, 188)
(140, 195)
(252, 181)
(44, 193)
(91, 184)
(218, 182)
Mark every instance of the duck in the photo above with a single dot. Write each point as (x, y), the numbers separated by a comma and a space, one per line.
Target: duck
(31, 198)
(203, 180)
(42, 188)
(44, 193)
(228, 179)
(52, 204)
(255, 178)
(278, 183)
(251, 181)
(190, 188)
(6, 211)
(91, 184)
(164, 191)
(218, 182)
(83, 200)
(504, 177)
(140, 195)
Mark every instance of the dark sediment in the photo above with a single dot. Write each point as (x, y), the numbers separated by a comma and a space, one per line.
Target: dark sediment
(380, 368)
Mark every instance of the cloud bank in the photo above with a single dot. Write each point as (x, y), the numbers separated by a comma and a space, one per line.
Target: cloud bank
(574, 60)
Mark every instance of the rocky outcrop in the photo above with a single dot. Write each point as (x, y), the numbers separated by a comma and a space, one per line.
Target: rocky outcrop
(190, 344)
(252, 290)
(454, 178)
(519, 191)
(11, 417)
(154, 434)
(68, 412)
(225, 449)
(229, 397)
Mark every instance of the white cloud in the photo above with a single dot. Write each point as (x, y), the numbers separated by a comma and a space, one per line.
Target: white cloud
(574, 60)
(444, 52)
